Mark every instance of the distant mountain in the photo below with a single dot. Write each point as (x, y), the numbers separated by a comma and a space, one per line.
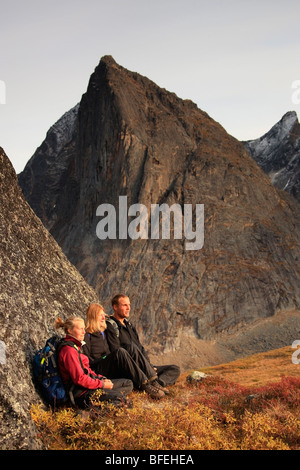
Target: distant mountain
(46, 171)
(133, 139)
(278, 153)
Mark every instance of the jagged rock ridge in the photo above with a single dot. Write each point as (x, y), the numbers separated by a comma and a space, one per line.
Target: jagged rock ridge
(278, 153)
(133, 138)
(38, 284)
(48, 173)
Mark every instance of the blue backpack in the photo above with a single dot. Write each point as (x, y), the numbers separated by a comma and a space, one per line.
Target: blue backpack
(46, 372)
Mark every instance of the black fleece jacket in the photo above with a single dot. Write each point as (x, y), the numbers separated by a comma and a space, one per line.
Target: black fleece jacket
(123, 335)
(96, 346)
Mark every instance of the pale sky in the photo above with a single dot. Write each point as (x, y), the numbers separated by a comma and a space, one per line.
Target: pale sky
(236, 59)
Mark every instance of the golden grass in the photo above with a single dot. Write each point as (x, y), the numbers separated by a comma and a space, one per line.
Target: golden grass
(248, 404)
(258, 369)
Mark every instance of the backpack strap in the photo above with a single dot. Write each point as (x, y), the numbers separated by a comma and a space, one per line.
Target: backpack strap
(73, 345)
(112, 322)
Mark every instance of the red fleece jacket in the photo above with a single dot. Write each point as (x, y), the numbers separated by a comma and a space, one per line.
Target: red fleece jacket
(71, 370)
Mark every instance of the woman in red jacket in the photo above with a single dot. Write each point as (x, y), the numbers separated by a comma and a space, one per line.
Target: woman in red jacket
(76, 372)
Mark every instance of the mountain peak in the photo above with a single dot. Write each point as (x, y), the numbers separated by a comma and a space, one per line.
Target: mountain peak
(139, 141)
(278, 153)
(285, 126)
(108, 59)
(278, 132)
(290, 117)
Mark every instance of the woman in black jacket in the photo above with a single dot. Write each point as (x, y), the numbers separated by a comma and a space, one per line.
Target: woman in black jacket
(117, 363)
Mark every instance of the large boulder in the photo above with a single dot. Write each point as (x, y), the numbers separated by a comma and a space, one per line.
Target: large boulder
(37, 284)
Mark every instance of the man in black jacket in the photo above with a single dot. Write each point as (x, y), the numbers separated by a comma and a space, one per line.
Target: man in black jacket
(121, 333)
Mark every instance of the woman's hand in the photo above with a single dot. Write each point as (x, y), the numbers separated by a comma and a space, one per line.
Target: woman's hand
(107, 384)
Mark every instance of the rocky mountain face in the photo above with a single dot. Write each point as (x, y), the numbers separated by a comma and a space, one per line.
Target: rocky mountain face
(38, 284)
(135, 143)
(278, 154)
(47, 170)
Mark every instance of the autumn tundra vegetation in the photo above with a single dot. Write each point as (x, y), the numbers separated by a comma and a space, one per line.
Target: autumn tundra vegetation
(248, 404)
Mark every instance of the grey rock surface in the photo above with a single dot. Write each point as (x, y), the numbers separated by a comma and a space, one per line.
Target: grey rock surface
(37, 284)
(278, 153)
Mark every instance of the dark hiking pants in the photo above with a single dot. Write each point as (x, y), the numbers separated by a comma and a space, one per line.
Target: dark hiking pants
(167, 375)
(120, 363)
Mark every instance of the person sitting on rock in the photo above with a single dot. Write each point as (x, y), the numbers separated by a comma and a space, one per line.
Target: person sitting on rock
(118, 362)
(76, 372)
(121, 333)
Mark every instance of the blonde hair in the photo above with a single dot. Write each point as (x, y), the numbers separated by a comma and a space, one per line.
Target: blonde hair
(68, 324)
(92, 322)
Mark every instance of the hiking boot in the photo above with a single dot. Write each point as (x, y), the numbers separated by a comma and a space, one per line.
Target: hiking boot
(153, 391)
(157, 385)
